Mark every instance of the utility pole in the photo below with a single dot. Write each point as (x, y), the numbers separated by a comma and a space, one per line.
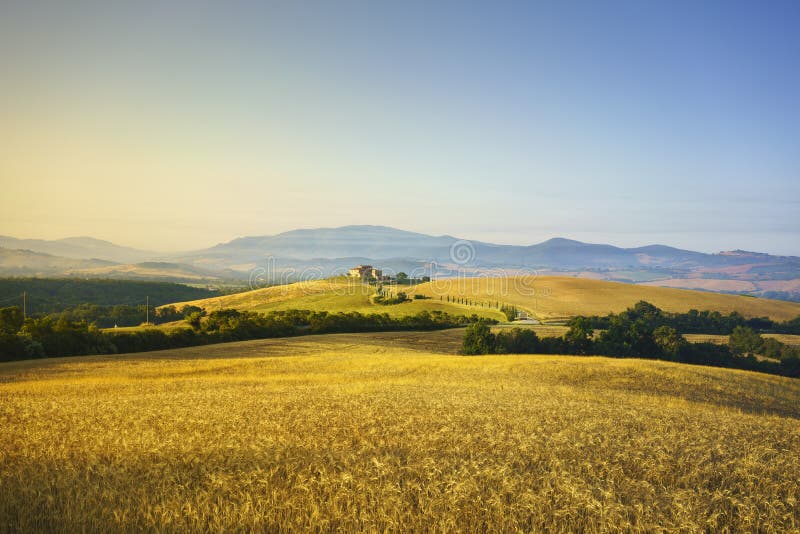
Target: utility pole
(147, 310)
(24, 304)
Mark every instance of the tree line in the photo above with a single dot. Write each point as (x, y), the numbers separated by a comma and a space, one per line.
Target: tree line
(122, 315)
(639, 332)
(697, 322)
(37, 337)
(49, 295)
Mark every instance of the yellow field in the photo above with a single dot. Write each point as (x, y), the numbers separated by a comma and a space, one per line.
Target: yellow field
(545, 298)
(376, 432)
(786, 339)
(167, 327)
(334, 295)
(552, 297)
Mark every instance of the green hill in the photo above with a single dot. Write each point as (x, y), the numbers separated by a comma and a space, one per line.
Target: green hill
(336, 295)
(48, 295)
(546, 298)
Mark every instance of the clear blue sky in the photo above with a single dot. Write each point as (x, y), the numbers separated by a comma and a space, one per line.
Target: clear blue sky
(622, 122)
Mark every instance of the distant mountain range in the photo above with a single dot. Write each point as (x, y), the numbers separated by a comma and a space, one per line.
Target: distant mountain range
(29, 263)
(384, 243)
(78, 248)
(325, 251)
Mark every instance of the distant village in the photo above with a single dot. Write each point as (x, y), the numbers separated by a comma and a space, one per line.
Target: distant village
(371, 274)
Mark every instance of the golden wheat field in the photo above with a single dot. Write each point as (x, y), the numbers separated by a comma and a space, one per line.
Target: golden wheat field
(547, 298)
(553, 297)
(719, 339)
(336, 295)
(390, 432)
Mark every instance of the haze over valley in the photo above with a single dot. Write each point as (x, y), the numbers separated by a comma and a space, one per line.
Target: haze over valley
(318, 253)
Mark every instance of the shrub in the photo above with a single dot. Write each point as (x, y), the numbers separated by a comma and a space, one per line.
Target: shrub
(478, 339)
(517, 341)
(745, 340)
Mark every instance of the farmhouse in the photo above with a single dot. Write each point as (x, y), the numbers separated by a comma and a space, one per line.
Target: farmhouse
(365, 271)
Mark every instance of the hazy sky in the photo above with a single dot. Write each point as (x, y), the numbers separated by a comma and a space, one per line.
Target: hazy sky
(180, 127)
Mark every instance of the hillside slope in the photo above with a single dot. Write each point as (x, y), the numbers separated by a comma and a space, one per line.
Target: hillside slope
(28, 263)
(546, 298)
(48, 295)
(78, 248)
(553, 297)
(333, 295)
(368, 432)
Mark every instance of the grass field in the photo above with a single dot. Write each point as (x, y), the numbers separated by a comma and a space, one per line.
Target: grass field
(390, 431)
(787, 339)
(335, 295)
(166, 327)
(546, 298)
(554, 297)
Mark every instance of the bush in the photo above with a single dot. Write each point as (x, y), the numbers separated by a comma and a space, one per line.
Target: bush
(398, 299)
(639, 332)
(58, 336)
(517, 341)
(744, 340)
(669, 341)
(478, 339)
(580, 335)
(510, 312)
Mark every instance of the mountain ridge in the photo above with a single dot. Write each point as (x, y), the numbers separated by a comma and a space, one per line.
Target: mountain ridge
(371, 232)
(319, 252)
(79, 247)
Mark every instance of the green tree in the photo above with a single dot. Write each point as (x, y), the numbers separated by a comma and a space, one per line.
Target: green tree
(516, 341)
(745, 340)
(771, 348)
(10, 320)
(640, 336)
(646, 311)
(510, 312)
(579, 335)
(478, 339)
(194, 319)
(669, 340)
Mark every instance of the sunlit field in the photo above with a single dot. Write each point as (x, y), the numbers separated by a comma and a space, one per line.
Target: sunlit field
(787, 339)
(388, 431)
(338, 295)
(545, 298)
(553, 298)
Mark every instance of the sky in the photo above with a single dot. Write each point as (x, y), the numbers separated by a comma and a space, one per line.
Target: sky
(173, 126)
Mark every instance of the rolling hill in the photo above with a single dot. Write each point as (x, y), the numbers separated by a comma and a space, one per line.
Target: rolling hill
(324, 252)
(49, 295)
(333, 295)
(25, 263)
(150, 270)
(79, 248)
(329, 251)
(546, 298)
(29, 263)
(376, 242)
(552, 297)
